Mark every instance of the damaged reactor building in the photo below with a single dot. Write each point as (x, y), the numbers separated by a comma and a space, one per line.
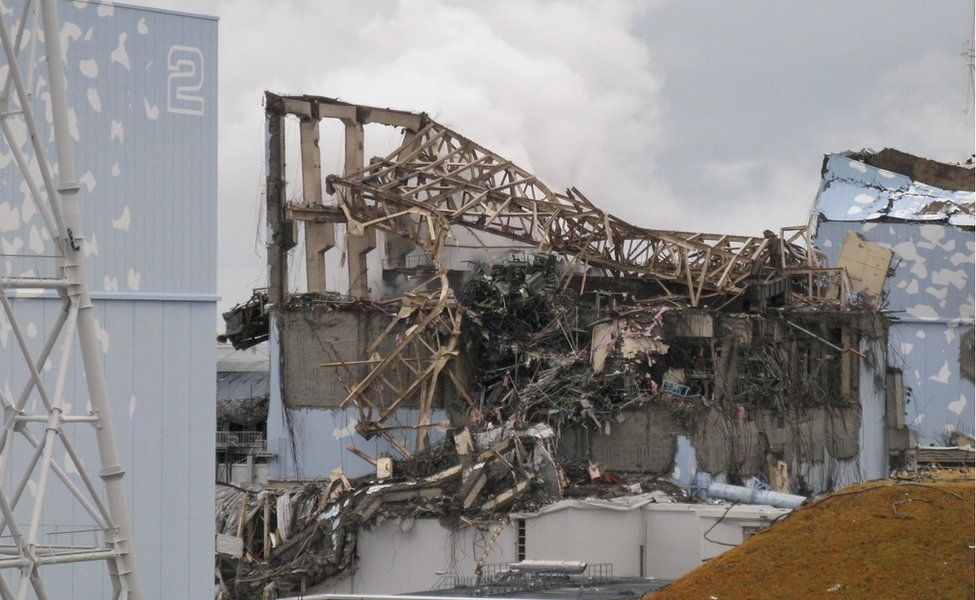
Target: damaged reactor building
(503, 351)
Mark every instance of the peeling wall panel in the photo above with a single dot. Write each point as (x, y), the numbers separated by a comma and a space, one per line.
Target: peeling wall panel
(854, 191)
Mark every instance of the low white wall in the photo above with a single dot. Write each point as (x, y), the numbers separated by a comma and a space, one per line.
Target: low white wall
(675, 534)
(592, 536)
(410, 555)
(398, 557)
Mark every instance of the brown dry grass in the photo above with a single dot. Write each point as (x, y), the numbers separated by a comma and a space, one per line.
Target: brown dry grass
(852, 544)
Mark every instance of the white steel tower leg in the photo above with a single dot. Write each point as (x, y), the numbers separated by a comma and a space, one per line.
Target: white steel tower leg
(57, 205)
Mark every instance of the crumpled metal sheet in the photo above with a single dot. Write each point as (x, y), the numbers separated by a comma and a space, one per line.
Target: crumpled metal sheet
(851, 190)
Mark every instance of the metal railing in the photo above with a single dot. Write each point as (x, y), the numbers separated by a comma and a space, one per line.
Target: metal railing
(508, 578)
(241, 439)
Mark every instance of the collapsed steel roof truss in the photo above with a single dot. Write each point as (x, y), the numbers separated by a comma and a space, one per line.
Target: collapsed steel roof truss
(438, 180)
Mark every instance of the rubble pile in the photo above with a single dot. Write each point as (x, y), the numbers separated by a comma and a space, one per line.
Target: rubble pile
(546, 355)
(533, 363)
(297, 534)
(287, 536)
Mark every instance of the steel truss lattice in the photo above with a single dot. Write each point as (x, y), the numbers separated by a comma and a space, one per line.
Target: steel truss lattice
(24, 556)
(438, 181)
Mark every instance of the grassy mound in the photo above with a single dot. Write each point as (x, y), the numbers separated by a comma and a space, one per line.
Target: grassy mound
(874, 540)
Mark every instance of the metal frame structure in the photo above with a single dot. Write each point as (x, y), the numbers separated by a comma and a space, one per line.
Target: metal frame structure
(437, 182)
(57, 204)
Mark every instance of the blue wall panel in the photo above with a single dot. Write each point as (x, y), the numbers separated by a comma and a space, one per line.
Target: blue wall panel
(931, 299)
(142, 88)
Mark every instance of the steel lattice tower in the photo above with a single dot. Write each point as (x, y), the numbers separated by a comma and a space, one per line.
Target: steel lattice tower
(21, 551)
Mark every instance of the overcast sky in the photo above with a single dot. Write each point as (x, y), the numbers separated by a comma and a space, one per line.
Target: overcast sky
(704, 116)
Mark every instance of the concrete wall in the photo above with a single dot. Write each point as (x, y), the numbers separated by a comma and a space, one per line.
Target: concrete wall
(826, 448)
(646, 440)
(148, 174)
(406, 555)
(310, 442)
(931, 296)
(310, 338)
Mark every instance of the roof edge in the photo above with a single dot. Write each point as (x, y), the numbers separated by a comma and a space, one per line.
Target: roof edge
(946, 176)
(153, 9)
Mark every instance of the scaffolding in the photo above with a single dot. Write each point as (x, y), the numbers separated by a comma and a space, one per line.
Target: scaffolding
(23, 556)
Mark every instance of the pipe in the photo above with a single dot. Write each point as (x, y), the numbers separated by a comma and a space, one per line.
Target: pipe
(744, 495)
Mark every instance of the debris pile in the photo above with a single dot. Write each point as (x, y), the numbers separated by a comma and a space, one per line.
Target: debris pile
(545, 354)
(531, 347)
(246, 324)
(287, 536)
(294, 535)
(883, 539)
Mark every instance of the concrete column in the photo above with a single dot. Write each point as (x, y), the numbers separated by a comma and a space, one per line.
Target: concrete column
(397, 247)
(357, 246)
(319, 237)
(277, 242)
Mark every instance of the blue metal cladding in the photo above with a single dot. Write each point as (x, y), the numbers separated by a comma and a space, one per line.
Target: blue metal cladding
(930, 294)
(142, 88)
(855, 191)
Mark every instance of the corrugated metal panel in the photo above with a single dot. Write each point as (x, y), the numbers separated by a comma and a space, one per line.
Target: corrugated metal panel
(851, 190)
(873, 455)
(242, 385)
(146, 158)
(162, 401)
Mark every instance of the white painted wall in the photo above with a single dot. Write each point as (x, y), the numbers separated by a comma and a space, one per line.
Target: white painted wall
(592, 536)
(675, 534)
(406, 556)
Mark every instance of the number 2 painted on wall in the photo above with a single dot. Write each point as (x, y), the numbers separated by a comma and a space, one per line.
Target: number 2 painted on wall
(185, 82)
